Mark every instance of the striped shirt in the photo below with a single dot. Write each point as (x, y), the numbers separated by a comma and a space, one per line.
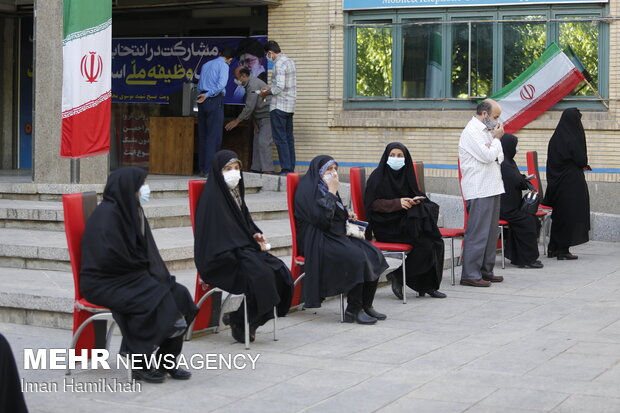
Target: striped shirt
(284, 85)
(480, 156)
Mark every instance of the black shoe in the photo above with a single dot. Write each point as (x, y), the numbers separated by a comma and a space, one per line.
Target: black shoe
(374, 313)
(397, 286)
(552, 254)
(178, 374)
(253, 332)
(433, 293)
(149, 376)
(566, 256)
(238, 332)
(535, 264)
(202, 174)
(179, 327)
(360, 318)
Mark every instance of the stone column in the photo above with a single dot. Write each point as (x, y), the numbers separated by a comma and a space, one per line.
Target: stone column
(49, 167)
(7, 111)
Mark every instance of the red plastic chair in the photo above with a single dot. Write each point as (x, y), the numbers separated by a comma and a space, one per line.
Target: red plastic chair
(544, 211)
(501, 223)
(400, 250)
(89, 320)
(292, 180)
(205, 292)
(452, 233)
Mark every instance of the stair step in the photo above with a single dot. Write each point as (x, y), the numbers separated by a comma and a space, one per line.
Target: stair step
(161, 212)
(47, 250)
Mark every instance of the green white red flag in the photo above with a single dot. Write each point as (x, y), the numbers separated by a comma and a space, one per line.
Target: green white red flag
(86, 80)
(551, 77)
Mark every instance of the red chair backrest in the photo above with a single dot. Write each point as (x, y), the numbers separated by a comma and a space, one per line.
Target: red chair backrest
(196, 186)
(418, 171)
(77, 208)
(532, 168)
(465, 213)
(292, 180)
(357, 182)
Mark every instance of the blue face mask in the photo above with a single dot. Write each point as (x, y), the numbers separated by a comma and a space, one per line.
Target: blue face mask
(396, 163)
(145, 194)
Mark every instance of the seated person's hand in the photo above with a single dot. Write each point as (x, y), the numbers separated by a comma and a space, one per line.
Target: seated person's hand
(353, 215)
(406, 203)
(201, 98)
(259, 238)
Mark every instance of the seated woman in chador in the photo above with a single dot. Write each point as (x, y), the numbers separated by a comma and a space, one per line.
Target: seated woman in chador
(230, 251)
(522, 233)
(334, 262)
(399, 212)
(123, 271)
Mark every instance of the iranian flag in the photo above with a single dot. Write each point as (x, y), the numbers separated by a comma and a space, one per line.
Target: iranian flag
(86, 78)
(551, 77)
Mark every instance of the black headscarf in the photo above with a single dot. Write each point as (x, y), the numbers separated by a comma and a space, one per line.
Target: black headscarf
(514, 182)
(386, 183)
(223, 226)
(567, 147)
(113, 243)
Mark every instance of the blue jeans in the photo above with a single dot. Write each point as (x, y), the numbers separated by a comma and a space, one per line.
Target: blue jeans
(282, 130)
(210, 130)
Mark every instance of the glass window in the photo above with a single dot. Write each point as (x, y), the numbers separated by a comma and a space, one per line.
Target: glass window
(373, 61)
(581, 39)
(472, 59)
(422, 65)
(523, 43)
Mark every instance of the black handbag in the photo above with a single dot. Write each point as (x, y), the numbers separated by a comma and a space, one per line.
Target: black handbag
(530, 202)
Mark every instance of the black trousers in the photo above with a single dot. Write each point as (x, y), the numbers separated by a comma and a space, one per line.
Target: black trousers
(361, 296)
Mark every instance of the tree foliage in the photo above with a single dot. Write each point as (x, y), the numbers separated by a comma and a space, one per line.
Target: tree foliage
(374, 61)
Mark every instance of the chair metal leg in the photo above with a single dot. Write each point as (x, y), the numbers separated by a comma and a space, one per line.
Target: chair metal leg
(452, 258)
(108, 336)
(275, 323)
(501, 231)
(246, 325)
(190, 328)
(78, 332)
(404, 257)
(342, 308)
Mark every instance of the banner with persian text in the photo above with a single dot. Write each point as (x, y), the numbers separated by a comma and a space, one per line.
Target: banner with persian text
(149, 70)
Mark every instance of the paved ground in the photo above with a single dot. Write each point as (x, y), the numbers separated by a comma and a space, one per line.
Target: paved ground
(543, 340)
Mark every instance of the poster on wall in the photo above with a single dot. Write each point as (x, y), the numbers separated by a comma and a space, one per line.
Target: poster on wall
(150, 70)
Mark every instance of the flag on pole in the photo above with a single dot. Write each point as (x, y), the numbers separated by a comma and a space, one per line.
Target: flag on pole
(551, 77)
(86, 78)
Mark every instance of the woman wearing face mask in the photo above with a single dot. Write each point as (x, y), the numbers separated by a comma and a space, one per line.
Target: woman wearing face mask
(522, 233)
(335, 263)
(230, 251)
(399, 212)
(122, 270)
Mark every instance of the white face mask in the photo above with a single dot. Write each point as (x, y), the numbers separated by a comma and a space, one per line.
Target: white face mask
(330, 176)
(396, 163)
(145, 194)
(489, 123)
(270, 58)
(232, 178)
(238, 82)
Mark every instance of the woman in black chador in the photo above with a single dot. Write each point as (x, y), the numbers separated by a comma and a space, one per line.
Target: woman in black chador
(335, 263)
(230, 250)
(11, 396)
(522, 233)
(567, 191)
(122, 270)
(399, 212)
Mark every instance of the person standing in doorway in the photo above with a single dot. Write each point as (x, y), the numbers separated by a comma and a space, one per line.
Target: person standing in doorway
(256, 109)
(480, 156)
(211, 92)
(282, 108)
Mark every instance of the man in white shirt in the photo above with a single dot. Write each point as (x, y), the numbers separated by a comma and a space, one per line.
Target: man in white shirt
(480, 156)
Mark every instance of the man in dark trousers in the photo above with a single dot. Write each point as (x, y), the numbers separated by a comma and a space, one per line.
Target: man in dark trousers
(211, 92)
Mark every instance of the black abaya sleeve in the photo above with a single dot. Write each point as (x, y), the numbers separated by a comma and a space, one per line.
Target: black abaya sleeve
(328, 207)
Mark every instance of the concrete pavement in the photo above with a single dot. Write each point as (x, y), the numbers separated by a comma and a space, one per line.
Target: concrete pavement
(543, 340)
